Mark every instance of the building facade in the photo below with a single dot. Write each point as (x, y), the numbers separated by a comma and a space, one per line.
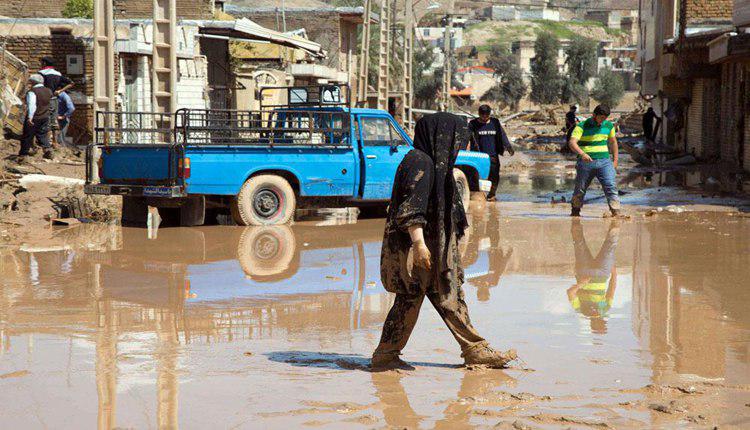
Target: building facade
(694, 68)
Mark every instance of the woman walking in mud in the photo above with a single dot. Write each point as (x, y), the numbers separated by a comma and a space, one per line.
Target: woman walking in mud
(426, 219)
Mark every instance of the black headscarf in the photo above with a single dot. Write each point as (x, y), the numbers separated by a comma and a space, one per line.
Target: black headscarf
(440, 136)
(424, 194)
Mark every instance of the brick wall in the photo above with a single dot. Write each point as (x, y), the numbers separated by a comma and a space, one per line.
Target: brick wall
(322, 27)
(31, 49)
(708, 10)
(31, 8)
(187, 9)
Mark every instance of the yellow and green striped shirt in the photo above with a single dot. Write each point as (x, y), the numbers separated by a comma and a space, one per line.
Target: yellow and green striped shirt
(592, 137)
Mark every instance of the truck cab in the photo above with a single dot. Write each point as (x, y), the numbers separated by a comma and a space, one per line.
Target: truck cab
(259, 166)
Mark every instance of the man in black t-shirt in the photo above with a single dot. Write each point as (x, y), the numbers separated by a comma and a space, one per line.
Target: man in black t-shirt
(57, 83)
(488, 136)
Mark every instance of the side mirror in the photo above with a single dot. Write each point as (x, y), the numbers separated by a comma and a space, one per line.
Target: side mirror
(395, 143)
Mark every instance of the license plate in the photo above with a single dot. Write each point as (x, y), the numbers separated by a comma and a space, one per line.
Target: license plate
(99, 189)
(157, 191)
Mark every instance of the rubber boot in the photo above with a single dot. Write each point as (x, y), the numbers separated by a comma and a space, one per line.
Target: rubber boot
(483, 354)
(383, 362)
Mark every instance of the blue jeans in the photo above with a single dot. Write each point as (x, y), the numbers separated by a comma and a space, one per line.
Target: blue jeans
(604, 171)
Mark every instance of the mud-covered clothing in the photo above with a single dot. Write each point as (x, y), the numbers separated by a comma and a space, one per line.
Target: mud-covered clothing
(489, 137)
(424, 194)
(410, 206)
(451, 307)
(594, 138)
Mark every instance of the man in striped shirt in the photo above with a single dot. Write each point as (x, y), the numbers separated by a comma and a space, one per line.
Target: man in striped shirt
(596, 145)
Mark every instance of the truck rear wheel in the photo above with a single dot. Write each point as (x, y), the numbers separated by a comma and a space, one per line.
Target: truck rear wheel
(264, 200)
(462, 186)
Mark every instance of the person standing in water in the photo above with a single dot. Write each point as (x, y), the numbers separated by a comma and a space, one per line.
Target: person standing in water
(488, 136)
(596, 145)
(426, 218)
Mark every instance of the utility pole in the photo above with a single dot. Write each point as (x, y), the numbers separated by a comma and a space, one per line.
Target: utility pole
(164, 58)
(384, 54)
(104, 57)
(447, 37)
(406, 80)
(364, 57)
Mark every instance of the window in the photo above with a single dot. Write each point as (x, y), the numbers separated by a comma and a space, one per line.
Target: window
(426, 32)
(379, 132)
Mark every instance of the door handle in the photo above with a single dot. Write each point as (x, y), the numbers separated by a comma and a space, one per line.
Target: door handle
(372, 157)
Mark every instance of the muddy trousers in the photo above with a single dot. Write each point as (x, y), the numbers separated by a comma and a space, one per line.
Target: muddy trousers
(403, 316)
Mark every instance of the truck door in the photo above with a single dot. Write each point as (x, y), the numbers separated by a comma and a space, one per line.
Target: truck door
(383, 147)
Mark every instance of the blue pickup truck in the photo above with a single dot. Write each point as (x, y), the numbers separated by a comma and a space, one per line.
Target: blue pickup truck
(259, 166)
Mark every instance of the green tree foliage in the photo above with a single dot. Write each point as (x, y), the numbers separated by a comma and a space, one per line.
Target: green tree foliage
(609, 88)
(78, 9)
(511, 88)
(425, 84)
(581, 63)
(546, 82)
(574, 92)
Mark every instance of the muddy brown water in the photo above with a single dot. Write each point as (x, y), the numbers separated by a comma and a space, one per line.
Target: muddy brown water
(632, 324)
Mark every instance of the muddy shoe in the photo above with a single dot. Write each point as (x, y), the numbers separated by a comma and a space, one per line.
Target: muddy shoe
(615, 213)
(484, 355)
(383, 362)
(575, 212)
(48, 155)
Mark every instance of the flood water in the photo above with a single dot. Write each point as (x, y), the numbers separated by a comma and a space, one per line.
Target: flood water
(272, 327)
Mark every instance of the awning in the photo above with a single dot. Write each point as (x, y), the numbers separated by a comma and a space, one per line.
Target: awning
(244, 29)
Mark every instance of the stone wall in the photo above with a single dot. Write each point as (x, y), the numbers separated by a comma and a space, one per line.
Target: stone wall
(708, 10)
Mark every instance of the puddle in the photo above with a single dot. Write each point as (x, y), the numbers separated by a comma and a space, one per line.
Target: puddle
(273, 327)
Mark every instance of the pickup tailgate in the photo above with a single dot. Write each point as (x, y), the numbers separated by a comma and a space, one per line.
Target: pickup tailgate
(148, 170)
(142, 165)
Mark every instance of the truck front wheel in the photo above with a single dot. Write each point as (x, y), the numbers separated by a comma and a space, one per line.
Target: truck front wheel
(264, 200)
(462, 186)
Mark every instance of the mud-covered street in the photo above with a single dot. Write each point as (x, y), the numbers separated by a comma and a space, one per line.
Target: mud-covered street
(273, 327)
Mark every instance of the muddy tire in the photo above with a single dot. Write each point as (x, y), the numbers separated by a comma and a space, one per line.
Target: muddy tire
(462, 186)
(266, 253)
(264, 200)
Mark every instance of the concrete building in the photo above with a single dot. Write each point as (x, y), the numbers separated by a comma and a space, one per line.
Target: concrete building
(519, 12)
(334, 28)
(693, 70)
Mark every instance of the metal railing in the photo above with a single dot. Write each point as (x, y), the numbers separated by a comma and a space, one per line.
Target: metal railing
(283, 127)
(134, 128)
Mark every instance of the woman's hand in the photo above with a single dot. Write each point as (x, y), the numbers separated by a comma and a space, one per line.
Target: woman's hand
(422, 256)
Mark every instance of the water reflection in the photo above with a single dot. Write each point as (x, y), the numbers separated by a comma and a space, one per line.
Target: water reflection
(148, 310)
(596, 277)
